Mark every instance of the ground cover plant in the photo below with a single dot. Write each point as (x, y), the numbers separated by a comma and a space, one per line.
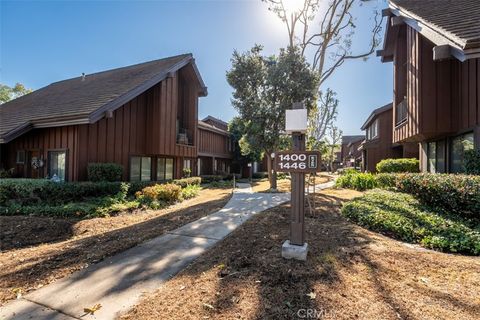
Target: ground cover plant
(403, 217)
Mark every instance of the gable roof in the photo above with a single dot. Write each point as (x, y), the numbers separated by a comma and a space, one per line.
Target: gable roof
(216, 122)
(375, 113)
(454, 24)
(348, 139)
(79, 101)
(207, 126)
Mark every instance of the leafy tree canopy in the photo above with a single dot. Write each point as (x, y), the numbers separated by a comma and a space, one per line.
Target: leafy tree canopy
(9, 93)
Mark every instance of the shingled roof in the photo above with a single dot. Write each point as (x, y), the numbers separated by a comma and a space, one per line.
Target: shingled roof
(458, 20)
(85, 100)
(452, 25)
(375, 113)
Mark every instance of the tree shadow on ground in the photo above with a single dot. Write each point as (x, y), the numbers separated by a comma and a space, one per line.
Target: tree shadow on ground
(62, 259)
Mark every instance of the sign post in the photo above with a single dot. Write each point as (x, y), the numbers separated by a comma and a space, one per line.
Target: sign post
(297, 162)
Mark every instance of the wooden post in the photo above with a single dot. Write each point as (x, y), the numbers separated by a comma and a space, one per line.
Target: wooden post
(297, 227)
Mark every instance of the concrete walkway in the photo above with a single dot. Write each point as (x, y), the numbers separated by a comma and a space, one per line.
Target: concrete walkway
(118, 282)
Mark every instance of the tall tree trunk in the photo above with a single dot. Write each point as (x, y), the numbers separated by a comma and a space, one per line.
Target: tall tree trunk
(272, 174)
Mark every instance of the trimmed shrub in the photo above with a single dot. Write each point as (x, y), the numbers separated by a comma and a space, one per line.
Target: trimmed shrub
(347, 171)
(166, 193)
(386, 180)
(185, 182)
(5, 174)
(211, 178)
(191, 191)
(398, 165)
(403, 217)
(357, 181)
(472, 162)
(260, 175)
(31, 191)
(458, 194)
(104, 172)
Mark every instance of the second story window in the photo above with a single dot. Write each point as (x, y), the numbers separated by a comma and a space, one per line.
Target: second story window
(372, 130)
(401, 111)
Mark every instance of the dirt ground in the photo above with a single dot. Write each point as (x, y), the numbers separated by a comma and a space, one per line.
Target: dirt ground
(351, 273)
(39, 250)
(263, 185)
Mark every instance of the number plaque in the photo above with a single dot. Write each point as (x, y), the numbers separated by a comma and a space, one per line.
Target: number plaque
(297, 161)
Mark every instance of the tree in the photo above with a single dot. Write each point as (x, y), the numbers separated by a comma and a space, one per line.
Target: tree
(324, 30)
(9, 93)
(264, 87)
(334, 138)
(322, 117)
(241, 156)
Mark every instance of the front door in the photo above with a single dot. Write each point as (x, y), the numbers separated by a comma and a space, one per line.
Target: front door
(34, 164)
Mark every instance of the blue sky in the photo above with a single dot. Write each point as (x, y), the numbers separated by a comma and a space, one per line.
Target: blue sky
(43, 42)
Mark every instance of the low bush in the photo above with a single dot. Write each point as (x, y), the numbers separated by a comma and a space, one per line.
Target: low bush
(221, 184)
(472, 162)
(159, 194)
(31, 191)
(104, 172)
(357, 181)
(403, 217)
(386, 180)
(185, 182)
(398, 165)
(5, 174)
(458, 194)
(346, 171)
(190, 191)
(259, 175)
(211, 178)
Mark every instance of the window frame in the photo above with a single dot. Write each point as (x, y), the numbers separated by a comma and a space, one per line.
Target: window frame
(157, 159)
(141, 164)
(17, 156)
(49, 151)
(451, 148)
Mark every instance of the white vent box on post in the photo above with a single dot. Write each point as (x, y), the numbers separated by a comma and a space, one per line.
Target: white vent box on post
(296, 121)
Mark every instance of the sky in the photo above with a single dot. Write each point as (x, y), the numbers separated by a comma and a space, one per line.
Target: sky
(46, 41)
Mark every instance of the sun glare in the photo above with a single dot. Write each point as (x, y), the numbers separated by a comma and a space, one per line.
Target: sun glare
(293, 6)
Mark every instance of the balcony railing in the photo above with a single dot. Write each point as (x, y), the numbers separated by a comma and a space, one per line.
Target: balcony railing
(184, 137)
(401, 113)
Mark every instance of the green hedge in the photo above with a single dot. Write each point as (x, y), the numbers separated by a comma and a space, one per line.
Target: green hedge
(398, 165)
(104, 172)
(212, 178)
(402, 216)
(185, 182)
(357, 181)
(472, 162)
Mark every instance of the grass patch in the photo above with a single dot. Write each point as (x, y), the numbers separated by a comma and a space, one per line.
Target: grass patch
(403, 217)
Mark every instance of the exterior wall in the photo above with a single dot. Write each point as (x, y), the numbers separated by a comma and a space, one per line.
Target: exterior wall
(442, 96)
(145, 126)
(214, 146)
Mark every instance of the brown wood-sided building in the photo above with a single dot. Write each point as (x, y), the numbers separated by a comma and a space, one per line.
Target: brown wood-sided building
(143, 117)
(378, 143)
(215, 149)
(435, 49)
(349, 153)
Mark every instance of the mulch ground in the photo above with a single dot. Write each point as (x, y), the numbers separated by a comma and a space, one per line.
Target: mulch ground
(38, 250)
(351, 273)
(284, 185)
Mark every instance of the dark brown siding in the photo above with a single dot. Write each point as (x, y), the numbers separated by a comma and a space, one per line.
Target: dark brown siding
(442, 96)
(213, 143)
(42, 141)
(146, 125)
(381, 148)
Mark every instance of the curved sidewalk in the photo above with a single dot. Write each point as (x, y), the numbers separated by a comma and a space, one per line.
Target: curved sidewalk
(118, 282)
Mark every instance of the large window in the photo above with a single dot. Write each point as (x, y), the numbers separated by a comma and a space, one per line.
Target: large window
(140, 169)
(458, 147)
(57, 165)
(164, 169)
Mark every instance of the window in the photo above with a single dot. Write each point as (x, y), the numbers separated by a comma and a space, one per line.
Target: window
(168, 169)
(187, 164)
(432, 157)
(20, 156)
(458, 147)
(164, 169)
(372, 131)
(401, 112)
(57, 165)
(140, 169)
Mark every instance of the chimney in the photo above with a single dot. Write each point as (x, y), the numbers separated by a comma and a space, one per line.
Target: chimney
(83, 76)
